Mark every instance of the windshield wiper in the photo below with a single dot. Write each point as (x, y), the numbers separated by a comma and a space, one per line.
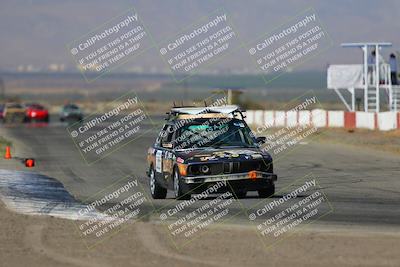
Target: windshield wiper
(231, 145)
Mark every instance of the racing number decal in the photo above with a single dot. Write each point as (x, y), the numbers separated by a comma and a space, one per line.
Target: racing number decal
(167, 164)
(159, 161)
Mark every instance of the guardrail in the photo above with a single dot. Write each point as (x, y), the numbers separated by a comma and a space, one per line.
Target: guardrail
(383, 121)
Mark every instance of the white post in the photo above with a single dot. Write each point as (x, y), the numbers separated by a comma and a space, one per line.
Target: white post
(390, 88)
(377, 78)
(366, 78)
(353, 100)
(230, 97)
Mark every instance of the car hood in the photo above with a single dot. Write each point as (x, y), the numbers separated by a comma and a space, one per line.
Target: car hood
(220, 154)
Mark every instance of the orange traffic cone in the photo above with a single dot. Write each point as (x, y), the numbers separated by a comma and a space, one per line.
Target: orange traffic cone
(8, 153)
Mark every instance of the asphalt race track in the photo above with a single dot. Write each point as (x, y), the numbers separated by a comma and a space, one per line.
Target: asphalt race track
(361, 185)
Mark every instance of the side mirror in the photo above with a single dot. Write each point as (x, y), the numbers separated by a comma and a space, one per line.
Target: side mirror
(167, 145)
(261, 139)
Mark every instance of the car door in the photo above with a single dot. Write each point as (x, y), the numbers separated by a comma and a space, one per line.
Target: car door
(163, 155)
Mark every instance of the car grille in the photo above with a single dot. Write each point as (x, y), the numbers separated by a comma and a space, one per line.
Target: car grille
(230, 167)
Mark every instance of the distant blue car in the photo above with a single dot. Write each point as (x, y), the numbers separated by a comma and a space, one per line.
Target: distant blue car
(71, 112)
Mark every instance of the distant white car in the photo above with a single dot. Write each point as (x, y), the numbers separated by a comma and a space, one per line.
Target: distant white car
(13, 112)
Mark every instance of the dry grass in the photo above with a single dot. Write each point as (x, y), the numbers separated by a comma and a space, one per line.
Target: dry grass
(3, 143)
(381, 141)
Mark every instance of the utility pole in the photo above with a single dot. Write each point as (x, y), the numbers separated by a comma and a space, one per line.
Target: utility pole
(185, 90)
(2, 89)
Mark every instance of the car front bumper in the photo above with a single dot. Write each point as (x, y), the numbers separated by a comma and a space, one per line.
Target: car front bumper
(236, 177)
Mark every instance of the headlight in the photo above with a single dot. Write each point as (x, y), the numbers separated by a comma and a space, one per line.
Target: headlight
(204, 169)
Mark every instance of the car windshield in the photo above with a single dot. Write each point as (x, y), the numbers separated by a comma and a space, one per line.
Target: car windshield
(224, 132)
(71, 107)
(14, 106)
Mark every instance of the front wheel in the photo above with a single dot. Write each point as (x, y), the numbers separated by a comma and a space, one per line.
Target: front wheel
(157, 192)
(180, 193)
(267, 192)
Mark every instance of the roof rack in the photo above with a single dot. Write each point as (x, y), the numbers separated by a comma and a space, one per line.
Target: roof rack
(191, 110)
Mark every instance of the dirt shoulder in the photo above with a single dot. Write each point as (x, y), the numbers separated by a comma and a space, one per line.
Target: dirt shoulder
(376, 140)
(46, 241)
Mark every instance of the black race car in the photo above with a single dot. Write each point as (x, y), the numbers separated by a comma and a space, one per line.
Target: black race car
(199, 147)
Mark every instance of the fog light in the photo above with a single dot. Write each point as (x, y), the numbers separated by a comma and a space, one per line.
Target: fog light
(253, 175)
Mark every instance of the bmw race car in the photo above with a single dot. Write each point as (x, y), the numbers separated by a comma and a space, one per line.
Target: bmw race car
(201, 146)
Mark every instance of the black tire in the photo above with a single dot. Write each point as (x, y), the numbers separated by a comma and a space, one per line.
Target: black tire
(240, 194)
(267, 192)
(157, 192)
(179, 188)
